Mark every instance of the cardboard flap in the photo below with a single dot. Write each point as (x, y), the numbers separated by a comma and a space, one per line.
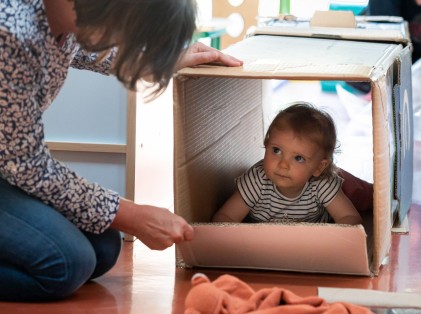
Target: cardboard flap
(281, 57)
(383, 152)
(291, 247)
(366, 28)
(333, 19)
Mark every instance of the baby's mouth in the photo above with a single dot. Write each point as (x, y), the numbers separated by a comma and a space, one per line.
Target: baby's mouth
(282, 176)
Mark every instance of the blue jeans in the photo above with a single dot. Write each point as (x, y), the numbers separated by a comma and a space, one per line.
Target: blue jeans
(43, 256)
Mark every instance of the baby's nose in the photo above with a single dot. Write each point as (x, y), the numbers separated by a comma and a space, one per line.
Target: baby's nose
(283, 163)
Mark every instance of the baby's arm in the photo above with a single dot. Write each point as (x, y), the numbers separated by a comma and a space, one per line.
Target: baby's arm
(343, 211)
(234, 210)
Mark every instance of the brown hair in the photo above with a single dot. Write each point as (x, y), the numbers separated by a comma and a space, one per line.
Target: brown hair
(311, 123)
(150, 35)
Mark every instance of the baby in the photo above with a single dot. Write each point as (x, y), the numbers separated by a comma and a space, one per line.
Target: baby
(297, 180)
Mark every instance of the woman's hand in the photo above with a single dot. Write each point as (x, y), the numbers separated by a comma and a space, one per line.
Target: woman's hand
(156, 227)
(199, 53)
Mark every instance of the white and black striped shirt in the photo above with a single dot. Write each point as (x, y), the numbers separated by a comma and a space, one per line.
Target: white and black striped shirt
(266, 203)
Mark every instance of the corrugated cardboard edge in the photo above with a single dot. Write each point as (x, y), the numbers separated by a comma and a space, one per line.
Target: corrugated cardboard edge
(305, 69)
(264, 246)
(382, 225)
(371, 35)
(244, 72)
(341, 25)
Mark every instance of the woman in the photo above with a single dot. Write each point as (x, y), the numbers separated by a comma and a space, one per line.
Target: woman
(58, 230)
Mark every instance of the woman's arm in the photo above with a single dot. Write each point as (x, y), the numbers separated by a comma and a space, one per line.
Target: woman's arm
(26, 90)
(234, 210)
(342, 210)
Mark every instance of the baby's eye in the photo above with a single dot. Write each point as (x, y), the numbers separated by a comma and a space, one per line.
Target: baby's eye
(299, 158)
(276, 150)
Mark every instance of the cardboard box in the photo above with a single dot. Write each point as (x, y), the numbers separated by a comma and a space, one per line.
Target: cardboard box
(338, 25)
(219, 134)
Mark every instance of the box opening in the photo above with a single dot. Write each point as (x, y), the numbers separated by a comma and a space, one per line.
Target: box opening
(220, 119)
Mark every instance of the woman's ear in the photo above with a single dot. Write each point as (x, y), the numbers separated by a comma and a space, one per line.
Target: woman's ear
(324, 163)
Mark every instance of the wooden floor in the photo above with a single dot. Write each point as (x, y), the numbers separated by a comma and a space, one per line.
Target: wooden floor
(146, 281)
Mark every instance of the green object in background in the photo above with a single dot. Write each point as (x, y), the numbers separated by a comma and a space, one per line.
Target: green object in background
(210, 32)
(284, 7)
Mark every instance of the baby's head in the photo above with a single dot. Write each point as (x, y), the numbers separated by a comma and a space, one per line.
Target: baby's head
(311, 124)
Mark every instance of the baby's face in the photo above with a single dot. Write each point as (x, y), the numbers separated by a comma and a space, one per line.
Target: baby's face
(290, 161)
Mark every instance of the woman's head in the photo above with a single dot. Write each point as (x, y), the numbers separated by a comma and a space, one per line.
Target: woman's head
(310, 124)
(150, 35)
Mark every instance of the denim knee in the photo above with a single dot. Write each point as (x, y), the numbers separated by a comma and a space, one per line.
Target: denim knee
(107, 247)
(57, 273)
(78, 266)
(42, 255)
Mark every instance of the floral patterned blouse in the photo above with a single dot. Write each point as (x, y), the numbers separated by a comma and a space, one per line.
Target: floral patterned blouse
(33, 68)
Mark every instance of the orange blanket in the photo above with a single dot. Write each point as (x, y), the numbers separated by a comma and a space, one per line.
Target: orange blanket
(229, 295)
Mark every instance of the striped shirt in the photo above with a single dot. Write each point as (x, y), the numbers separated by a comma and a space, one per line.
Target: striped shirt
(266, 203)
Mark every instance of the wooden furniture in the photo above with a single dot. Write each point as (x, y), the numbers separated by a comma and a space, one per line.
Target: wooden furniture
(247, 11)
